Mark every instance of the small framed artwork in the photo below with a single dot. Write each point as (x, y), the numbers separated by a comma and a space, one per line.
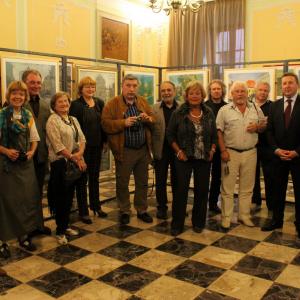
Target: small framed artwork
(251, 77)
(113, 37)
(182, 78)
(106, 88)
(13, 68)
(147, 84)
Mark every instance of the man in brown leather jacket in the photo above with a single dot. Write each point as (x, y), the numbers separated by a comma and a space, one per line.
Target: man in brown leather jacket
(127, 119)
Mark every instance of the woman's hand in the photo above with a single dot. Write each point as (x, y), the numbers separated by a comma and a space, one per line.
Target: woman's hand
(81, 165)
(12, 154)
(181, 156)
(29, 154)
(76, 156)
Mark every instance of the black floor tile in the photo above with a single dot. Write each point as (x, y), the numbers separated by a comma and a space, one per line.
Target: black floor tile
(256, 266)
(120, 231)
(282, 292)
(181, 247)
(59, 282)
(196, 273)
(296, 260)
(16, 255)
(129, 278)
(284, 239)
(124, 251)
(235, 243)
(6, 283)
(64, 254)
(215, 225)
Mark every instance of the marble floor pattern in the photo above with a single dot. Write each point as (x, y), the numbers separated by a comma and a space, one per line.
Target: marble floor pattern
(143, 261)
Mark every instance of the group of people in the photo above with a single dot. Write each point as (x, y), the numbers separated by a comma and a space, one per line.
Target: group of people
(31, 138)
(211, 139)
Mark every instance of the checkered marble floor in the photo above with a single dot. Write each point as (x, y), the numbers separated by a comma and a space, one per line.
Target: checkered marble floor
(143, 261)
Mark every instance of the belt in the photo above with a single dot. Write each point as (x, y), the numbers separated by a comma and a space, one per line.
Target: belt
(240, 150)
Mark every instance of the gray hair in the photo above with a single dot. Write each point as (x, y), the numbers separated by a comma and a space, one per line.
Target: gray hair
(263, 83)
(238, 83)
(130, 77)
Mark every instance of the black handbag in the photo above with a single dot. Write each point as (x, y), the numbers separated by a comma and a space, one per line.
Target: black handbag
(72, 171)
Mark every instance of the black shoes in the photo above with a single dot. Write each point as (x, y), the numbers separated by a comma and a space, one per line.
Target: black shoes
(145, 217)
(162, 214)
(271, 225)
(4, 251)
(175, 231)
(215, 209)
(100, 213)
(124, 219)
(86, 220)
(41, 231)
(197, 229)
(27, 245)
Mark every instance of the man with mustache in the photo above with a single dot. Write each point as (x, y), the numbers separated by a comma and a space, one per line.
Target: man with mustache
(127, 119)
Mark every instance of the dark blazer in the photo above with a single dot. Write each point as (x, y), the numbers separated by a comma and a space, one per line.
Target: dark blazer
(77, 110)
(40, 122)
(278, 135)
(182, 131)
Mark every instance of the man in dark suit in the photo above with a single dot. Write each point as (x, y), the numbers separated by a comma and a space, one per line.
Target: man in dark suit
(216, 92)
(40, 111)
(264, 152)
(284, 137)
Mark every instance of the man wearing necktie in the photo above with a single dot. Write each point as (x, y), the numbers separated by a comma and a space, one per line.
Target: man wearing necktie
(284, 137)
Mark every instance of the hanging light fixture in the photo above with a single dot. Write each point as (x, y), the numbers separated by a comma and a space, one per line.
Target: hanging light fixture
(176, 5)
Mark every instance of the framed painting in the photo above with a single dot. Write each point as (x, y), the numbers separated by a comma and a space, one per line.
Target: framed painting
(106, 88)
(251, 77)
(147, 84)
(13, 68)
(113, 36)
(182, 78)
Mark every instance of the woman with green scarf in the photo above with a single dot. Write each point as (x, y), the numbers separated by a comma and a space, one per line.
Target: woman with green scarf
(20, 211)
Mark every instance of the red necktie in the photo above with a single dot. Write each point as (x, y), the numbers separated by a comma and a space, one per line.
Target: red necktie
(287, 113)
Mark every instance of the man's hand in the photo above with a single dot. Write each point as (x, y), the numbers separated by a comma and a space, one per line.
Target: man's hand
(130, 121)
(225, 156)
(252, 127)
(145, 117)
(286, 154)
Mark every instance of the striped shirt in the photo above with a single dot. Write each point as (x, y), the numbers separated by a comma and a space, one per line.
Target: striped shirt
(134, 135)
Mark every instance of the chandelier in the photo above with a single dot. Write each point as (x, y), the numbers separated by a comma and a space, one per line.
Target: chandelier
(176, 5)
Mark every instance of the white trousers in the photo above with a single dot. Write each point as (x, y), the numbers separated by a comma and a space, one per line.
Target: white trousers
(242, 164)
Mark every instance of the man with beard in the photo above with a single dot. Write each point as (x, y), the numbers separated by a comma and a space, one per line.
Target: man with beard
(162, 152)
